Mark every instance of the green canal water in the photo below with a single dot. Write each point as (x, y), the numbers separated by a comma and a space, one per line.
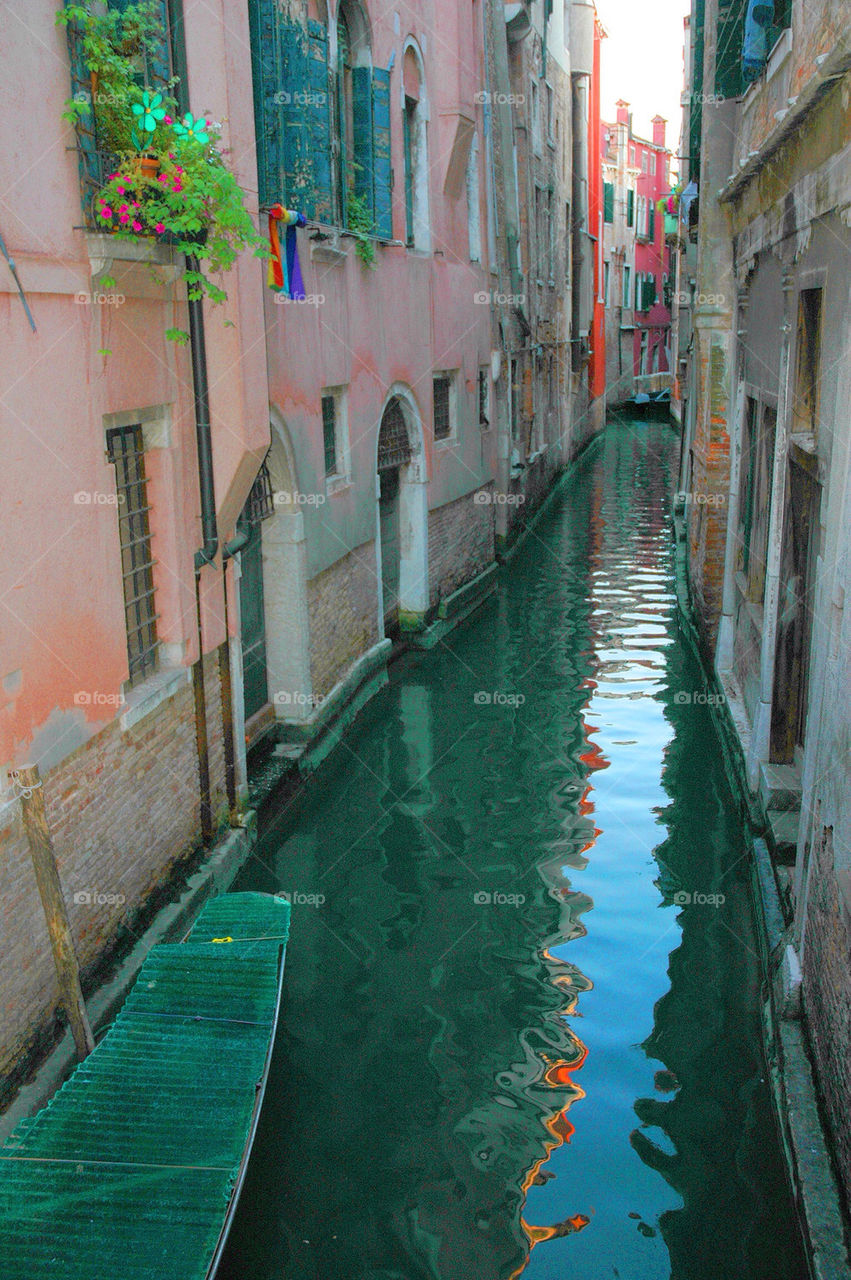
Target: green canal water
(521, 1030)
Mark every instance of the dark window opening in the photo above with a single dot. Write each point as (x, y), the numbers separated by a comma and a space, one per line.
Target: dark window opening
(329, 434)
(805, 405)
(125, 449)
(442, 416)
(484, 407)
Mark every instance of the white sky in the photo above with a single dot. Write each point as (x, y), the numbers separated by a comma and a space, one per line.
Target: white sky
(643, 61)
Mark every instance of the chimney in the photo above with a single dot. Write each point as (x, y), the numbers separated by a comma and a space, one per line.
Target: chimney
(659, 123)
(623, 111)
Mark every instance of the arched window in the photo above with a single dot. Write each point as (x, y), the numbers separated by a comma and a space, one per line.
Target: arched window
(414, 116)
(352, 143)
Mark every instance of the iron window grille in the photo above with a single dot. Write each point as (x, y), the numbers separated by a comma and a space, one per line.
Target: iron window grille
(442, 416)
(484, 407)
(394, 447)
(260, 503)
(329, 434)
(125, 449)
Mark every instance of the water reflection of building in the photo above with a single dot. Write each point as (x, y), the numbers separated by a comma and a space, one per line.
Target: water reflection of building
(711, 1111)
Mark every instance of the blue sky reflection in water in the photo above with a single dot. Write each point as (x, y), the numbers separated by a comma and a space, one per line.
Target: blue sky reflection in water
(521, 1033)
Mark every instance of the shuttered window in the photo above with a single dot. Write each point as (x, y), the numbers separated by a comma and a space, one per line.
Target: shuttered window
(125, 449)
(318, 137)
(651, 223)
(630, 208)
(291, 110)
(608, 202)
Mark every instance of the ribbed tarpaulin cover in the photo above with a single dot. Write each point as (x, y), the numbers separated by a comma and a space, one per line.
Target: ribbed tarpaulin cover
(128, 1172)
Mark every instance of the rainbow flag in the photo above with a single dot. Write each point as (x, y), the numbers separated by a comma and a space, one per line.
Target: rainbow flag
(284, 267)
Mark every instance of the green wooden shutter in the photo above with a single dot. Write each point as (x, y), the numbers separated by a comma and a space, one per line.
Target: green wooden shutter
(160, 65)
(608, 202)
(178, 53)
(87, 147)
(267, 84)
(363, 177)
(381, 155)
(651, 228)
(630, 208)
(409, 176)
(295, 123)
(318, 112)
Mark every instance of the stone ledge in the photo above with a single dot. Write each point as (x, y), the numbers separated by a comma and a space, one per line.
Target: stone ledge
(149, 695)
(815, 1184)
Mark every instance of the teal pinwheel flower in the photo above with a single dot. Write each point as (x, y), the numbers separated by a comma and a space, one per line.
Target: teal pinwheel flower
(150, 111)
(189, 127)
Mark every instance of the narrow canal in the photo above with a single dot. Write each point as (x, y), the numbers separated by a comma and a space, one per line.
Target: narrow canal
(521, 1031)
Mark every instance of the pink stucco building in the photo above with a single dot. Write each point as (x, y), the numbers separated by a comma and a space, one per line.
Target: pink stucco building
(177, 591)
(638, 280)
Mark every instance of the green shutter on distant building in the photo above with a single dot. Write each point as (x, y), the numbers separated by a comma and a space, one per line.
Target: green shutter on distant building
(608, 202)
(651, 223)
(630, 208)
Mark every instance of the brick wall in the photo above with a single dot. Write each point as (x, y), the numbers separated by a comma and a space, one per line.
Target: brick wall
(707, 521)
(460, 543)
(342, 604)
(123, 810)
(827, 1000)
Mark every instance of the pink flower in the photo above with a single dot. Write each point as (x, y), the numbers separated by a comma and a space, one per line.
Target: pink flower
(162, 178)
(136, 204)
(168, 120)
(124, 217)
(122, 208)
(120, 190)
(159, 228)
(137, 226)
(105, 211)
(177, 187)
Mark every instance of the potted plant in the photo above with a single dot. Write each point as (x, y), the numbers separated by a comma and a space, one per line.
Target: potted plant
(168, 180)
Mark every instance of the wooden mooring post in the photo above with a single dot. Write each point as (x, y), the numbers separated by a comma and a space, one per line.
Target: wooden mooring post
(27, 783)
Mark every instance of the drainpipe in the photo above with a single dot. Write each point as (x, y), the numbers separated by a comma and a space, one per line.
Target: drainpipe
(230, 549)
(207, 553)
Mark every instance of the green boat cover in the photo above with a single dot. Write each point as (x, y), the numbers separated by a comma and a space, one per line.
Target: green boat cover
(128, 1173)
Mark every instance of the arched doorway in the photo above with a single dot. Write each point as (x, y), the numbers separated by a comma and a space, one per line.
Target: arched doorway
(402, 514)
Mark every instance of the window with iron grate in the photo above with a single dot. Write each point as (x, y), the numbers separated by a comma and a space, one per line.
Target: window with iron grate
(126, 451)
(329, 434)
(260, 504)
(394, 446)
(442, 384)
(484, 399)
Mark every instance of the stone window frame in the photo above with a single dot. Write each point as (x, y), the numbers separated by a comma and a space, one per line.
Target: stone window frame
(341, 476)
(451, 437)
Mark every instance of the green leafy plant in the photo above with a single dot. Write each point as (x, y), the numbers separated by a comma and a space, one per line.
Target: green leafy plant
(170, 182)
(359, 221)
